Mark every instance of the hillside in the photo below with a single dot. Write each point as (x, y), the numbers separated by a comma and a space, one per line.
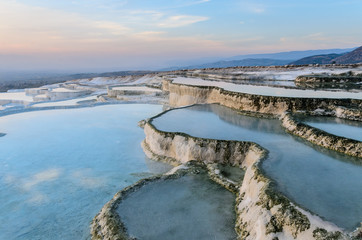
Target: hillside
(292, 55)
(350, 58)
(245, 62)
(317, 59)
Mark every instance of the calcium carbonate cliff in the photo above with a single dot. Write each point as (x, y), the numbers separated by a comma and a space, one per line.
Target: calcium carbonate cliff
(181, 95)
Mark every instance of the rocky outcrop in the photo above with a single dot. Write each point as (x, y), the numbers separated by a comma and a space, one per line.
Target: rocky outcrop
(262, 212)
(181, 95)
(348, 113)
(329, 78)
(348, 80)
(132, 90)
(329, 85)
(340, 144)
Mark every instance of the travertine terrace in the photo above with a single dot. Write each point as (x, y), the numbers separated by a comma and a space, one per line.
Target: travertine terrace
(262, 212)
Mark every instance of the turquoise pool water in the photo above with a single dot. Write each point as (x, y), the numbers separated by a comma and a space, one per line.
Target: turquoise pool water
(325, 182)
(336, 126)
(190, 207)
(59, 167)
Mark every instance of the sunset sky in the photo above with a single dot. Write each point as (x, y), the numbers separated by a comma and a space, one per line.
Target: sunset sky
(150, 34)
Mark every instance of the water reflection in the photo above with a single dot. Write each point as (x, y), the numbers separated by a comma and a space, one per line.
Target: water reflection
(333, 125)
(59, 167)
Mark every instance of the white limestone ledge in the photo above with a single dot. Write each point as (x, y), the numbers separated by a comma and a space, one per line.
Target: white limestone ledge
(262, 212)
(183, 94)
(321, 138)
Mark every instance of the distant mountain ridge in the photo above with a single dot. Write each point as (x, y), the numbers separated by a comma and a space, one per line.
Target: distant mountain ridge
(317, 59)
(292, 55)
(323, 56)
(349, 58)
(352, 57)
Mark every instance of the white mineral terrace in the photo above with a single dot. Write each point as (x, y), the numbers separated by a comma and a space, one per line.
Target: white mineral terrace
(64, 90)
(268, 91)
(71, 102)
(292, 74)
(16, 96)
(116, 80)
(135, 88)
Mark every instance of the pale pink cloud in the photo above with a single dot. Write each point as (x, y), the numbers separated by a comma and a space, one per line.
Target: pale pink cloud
(180, 21)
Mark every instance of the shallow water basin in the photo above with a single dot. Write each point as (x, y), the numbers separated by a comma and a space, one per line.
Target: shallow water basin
(189, 207)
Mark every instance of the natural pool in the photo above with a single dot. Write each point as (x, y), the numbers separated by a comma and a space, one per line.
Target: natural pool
(189, 207)
(59, 167)
(325, 182)
(336, 126)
